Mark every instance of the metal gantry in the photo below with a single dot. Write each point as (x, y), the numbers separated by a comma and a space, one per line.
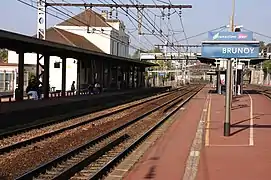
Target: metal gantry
(41, 34)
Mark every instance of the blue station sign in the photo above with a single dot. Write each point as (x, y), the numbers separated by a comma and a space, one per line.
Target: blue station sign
(230, 36)
(230, 50)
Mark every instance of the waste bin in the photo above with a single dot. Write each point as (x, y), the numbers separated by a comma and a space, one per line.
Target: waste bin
(17, 94)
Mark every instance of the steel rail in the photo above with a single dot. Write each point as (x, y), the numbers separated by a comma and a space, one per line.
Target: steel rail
(48, 165)
(52, 122)
(32, 140)
(103, 171)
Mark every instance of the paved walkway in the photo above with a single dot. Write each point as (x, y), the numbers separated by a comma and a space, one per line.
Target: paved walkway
(166, 160)
(246, 154)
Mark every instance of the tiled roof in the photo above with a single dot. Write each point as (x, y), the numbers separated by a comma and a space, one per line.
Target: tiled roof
(87, 17)
(64, 37)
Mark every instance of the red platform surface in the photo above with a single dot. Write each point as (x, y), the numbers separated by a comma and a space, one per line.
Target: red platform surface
(246, 154)
(166, 159)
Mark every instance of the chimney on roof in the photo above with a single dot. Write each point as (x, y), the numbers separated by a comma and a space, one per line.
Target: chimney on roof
(104, 14)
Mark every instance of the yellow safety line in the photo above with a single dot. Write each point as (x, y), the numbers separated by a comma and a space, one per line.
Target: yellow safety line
(207, 132)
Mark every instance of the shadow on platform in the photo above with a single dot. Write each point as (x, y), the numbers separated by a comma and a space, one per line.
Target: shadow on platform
(252, 92)
(240, 106)
(151, 173)
(247, 126)
(212, 92)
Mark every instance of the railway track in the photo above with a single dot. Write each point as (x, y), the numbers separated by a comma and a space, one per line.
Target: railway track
(96, 157)
(16, 139)
(117, 101)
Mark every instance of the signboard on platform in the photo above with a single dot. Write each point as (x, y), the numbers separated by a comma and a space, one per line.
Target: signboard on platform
(230, 36)
(230, 50)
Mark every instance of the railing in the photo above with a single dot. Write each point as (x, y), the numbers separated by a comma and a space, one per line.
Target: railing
(56, 94)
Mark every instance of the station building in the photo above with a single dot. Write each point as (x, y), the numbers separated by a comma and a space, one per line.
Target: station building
(88, 30)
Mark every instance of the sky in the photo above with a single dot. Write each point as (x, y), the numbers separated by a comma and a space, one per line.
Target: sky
(204, 16)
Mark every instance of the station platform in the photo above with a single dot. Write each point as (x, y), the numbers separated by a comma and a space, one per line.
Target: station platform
(194, 147)
(246, 153)
(16, 113)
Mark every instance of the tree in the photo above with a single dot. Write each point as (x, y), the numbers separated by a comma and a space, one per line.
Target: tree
(4, 55)
(155, 50)
(136, 54)
(267, 66)
(262, 45)
(268, 46)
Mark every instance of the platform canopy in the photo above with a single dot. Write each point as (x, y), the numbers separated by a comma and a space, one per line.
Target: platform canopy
(17, 42)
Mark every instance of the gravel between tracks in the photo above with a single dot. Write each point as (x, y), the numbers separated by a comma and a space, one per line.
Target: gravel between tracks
(18, 161)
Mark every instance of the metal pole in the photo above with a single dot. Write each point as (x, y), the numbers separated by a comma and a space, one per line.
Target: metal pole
(236, 85)
(218, 79)
(229, 82)
(228, 100)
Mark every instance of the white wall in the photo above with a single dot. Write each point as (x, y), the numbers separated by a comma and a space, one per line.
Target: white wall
(29, 58)
(56, 73)
(99, 39)
(103, 40)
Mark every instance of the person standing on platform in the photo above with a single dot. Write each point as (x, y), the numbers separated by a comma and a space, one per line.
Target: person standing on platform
(73, 86)
(97, 88)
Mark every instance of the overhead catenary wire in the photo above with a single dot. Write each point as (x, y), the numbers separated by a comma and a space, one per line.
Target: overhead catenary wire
(129, 14)
(153, 25)
(105, 35)
(134, 26)
(200, 34)
(260, 34)
(147, 28)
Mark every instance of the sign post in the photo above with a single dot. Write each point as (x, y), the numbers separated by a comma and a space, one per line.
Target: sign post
(230, 45)
(228, 100)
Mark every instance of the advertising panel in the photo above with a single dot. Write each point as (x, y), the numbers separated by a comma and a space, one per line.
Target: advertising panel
(230, 36)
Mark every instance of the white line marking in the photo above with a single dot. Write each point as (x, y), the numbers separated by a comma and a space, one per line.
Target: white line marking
(251, 134)
(229, 145)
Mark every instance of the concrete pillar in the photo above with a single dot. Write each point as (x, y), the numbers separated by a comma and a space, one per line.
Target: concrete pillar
(90, 72)
(21, 76)
(241, 81)
(78, 77)
(4, 81)
(102, 74)
(133, 76)
(142, 77)
(46, 87)
(109, 80)
(63, 80)
(122, 71)
(218, 87)
(128, 72)
(137, 77)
